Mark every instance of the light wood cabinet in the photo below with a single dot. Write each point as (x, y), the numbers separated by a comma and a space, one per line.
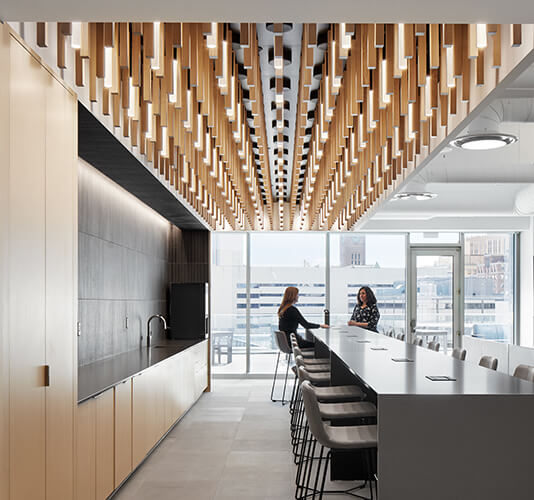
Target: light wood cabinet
(143, 414)
(86, 451)
(105, 444)
(38, 231)
(123, 431)
(200, 358)
(95, 448)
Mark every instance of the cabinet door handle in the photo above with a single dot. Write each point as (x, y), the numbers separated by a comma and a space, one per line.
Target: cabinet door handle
(47, 375)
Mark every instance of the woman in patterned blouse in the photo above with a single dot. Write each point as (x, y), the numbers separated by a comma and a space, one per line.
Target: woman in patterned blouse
(365, 312)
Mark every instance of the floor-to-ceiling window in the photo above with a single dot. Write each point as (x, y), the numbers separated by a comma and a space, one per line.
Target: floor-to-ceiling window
(229, 302)
(250, 272)
(279, 260)
(375, 260)
(489, 286)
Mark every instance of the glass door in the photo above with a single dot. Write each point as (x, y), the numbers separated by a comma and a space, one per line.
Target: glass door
(436, 294)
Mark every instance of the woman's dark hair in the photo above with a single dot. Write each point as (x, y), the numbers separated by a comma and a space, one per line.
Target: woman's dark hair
(371, 299)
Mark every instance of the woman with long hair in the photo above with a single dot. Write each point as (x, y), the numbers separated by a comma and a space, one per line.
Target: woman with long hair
(365, 312)
(289, 317)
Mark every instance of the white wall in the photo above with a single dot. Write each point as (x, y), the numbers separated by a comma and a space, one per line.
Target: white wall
(526, 280)
(509, 356)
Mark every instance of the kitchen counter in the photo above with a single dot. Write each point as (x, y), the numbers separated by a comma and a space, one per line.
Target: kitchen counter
(97, 377)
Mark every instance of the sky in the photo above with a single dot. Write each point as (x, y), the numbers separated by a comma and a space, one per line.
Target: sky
(299, 249)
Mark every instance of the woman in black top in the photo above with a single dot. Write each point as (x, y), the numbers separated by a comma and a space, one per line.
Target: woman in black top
(365, 312)
(289, 317)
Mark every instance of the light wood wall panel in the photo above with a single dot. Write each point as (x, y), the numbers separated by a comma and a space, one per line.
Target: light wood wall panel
(27, 275)
(4, 269)
(61, 287)
(38, 275)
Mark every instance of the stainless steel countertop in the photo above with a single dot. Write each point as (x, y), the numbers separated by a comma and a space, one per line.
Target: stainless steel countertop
(354, 346)
(97, 377)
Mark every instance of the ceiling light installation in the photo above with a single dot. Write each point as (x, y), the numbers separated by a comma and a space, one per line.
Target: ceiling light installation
(328, 120)
(280, 45)
(481, 142)
(422, 196)
(278, 63)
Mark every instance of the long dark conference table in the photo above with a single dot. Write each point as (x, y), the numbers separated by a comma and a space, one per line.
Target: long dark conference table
(468, 438)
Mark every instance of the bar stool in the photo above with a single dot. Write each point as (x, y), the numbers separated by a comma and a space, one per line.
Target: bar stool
(488, 362)
(318, 375)
(417, 341)
(348, 438)
(458, 353)
(433, 346)
(401, 336)
(524, 372)
(285, 348)
(297, 351)
(324, 393)
(330, 408)
(309, 360)
(307, 352)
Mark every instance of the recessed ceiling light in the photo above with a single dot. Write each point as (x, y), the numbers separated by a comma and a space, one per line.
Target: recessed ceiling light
(479, 142)
(415, 196)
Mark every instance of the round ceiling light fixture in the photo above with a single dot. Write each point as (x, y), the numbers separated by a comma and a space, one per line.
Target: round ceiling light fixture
(421, 196)
(480, 142)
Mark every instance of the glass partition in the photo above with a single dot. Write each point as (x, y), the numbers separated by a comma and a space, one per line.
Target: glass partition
(375, 260)
(489, 285)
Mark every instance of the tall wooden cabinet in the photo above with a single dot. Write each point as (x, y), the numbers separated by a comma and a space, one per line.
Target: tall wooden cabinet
(38, 231)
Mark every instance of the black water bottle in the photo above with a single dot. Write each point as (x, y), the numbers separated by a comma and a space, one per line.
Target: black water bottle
(326, 317)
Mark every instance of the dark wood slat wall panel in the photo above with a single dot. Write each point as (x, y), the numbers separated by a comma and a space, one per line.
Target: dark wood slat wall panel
(190, 256)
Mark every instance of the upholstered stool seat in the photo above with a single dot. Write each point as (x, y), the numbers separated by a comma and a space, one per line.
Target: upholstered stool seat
(338, 411)
(339, 393)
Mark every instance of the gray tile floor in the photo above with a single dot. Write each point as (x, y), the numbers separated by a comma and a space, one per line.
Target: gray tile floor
(232, 445)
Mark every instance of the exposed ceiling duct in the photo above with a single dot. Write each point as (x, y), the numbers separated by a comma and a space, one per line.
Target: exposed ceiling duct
(519, 110)
(524, 201)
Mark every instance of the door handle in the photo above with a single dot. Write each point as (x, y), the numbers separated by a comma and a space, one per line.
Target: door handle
(46, 375)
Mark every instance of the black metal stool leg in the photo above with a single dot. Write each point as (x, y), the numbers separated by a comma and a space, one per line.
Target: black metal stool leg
(318, 473)
(293, 394)
(328, 458)
(285, 381)
(274, 378)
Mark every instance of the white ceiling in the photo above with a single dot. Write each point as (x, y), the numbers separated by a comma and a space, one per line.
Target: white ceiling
(473, 184)
(459, 11)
